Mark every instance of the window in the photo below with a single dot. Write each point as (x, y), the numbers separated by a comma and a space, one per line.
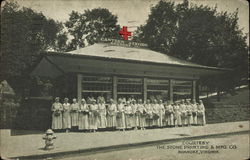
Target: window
(182, 89)
(129, 88)
(94, 86)
(157, 88)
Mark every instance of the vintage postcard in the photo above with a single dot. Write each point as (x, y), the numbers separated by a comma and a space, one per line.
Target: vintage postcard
(124, 79)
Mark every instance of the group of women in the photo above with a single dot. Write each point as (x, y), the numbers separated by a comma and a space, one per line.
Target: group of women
(126, 114)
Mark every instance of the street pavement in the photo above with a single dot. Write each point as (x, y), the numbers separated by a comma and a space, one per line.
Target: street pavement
(237, 148)
(32, 145)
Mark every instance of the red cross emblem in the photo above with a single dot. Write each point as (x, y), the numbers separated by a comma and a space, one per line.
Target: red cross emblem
(124, 32)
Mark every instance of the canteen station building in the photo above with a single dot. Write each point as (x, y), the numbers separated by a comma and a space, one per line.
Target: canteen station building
(121, 70)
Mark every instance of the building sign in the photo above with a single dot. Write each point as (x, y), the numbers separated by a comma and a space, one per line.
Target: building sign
(125, 33)
(124, 43)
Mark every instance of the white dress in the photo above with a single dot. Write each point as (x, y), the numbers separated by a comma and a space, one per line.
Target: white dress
(66, 116)
(194, 113)
(201, 120)
(169, 115)
(149, 116)
(111, 115)
(83, 120)
(102, 120)
(156, 119)
(161, 111)
(57, 109)
(177, 115)
(183, 111)
(129, 116)
(120, 117)
(142, 115)
(135, 116)
(93, 117)
(74, 114)
(189, 114)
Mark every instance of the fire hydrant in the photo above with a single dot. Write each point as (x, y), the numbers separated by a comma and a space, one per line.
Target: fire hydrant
(49, 139)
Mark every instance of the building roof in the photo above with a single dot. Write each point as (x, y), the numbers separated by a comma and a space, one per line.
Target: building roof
(129, 53)
(109, 59)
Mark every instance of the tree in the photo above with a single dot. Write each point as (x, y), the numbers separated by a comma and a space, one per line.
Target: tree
(159, 32)
(90, 26)
(61, 39)
(199, 34)
(24, 35)
(214, 39)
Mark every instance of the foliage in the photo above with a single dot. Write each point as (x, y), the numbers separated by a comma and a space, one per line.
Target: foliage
(88, 27)
(160, 30)
(24, 35)
(200, 34)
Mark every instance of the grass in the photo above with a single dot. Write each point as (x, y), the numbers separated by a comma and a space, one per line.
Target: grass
(230, 108)
(240, 98)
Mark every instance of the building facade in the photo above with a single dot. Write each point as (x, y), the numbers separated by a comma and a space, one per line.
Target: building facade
(116, 72)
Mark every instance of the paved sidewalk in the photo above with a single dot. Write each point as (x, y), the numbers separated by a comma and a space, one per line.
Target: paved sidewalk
(28, 145)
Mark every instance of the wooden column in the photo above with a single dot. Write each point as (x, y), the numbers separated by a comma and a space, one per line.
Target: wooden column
(145, 89)
(79, 87)
(193, 90)
(171, 94)
(115, 88)
(197, 95)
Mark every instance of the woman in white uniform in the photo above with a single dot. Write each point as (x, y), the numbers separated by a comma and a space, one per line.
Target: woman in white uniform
(93, 115)
(129, 116)
(57, 109)
(194, 112)
(177, 115)
(201, 119)
(161, 110)
(111, 114)
(142, 115)
(189, 113)
(135, 112)
(74, 109)
(183, 110)
(120, 117)
(83, 116)
(149, 116)
(169, 112)
(102, 114)
(66, 115)
(156, 115)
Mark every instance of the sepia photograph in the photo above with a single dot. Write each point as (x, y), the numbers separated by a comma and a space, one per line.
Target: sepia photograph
(124, 80)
